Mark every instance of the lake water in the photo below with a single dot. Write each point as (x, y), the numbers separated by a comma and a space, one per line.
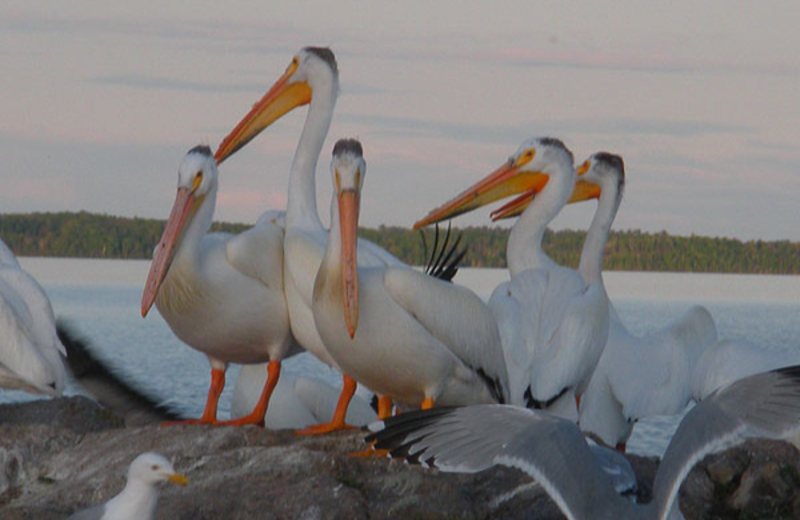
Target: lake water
(101, 298)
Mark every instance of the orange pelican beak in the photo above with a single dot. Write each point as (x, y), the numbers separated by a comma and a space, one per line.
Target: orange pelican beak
(280, 99)
(513, 208)
(182, 211)
(584, 190)
(348, 223)
(503, 182)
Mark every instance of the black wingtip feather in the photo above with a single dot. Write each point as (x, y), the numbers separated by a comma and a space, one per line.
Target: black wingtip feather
(398, 430)
(792, 372)
(443, 262)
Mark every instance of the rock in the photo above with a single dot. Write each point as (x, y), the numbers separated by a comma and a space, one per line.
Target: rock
(61, 455)
(768, 486)
(724, 469)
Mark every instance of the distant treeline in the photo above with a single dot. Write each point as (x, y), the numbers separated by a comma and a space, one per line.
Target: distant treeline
(101, 236)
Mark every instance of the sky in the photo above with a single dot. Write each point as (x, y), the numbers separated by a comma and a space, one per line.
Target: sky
(100, 100)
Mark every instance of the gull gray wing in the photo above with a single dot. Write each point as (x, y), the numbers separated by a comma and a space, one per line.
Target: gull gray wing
(473, 438)
(455, 316)
(763, 405)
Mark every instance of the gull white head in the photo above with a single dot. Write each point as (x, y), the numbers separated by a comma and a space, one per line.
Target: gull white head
(152, 468)
(312, 69)
(139, 497)
(197, 179)
(348, 170)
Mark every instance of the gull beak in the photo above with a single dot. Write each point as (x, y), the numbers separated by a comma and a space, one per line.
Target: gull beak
(348, 219)
(182, 212)
(177, 478)
(280, 99)
(503, 182)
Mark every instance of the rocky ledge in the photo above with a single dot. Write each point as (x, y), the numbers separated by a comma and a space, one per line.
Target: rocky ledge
(62, 455)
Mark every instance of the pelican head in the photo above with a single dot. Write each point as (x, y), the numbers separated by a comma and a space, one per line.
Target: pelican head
(602, 169)
(313, 68)
(197, 177)
(594, 174)
(528, 170)
(348, 169)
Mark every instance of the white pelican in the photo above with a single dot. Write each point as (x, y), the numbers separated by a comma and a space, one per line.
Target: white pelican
(554, 452)
(221, 294)
(30, 351)
(402, 333)
(140, 496)
(311, 78)
(635, 377)
(553, 321)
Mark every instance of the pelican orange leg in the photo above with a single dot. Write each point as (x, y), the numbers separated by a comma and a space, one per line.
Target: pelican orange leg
(384, 407)
(260, 410)
(338, 421)
(214, 391)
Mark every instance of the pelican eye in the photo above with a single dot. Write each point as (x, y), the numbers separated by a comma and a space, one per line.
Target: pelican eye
(198, 179)
(292, 66)
(523, 158)
(154, 467)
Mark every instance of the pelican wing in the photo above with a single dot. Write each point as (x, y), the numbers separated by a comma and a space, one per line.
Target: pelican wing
(456, 317)
(473, 438)
(553, 327)
(763, 405)
(660, 362)
(372, 255)
(726, 361)
(258, 252)
(31, 349)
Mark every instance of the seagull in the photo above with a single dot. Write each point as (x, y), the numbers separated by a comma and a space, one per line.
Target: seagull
(554, 451)
(137, 501)
(30, 351)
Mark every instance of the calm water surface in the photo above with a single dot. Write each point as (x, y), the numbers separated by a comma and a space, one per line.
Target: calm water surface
(101, 298)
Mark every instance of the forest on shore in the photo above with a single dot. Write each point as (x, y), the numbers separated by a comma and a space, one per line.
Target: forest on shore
(90, 235)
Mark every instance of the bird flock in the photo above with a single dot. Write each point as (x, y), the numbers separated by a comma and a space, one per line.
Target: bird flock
(460, 383)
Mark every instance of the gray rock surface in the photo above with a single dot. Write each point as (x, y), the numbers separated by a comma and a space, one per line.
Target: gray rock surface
(62, 455)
